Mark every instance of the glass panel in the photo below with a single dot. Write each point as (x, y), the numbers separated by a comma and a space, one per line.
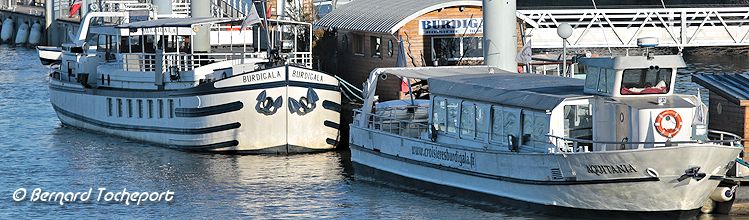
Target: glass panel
(603, 81)
(528, 121)
(161, 108)
(511, 120)
(468, 120)
(375, 46)
(473, 47)
(109, 106)
(129, 108)
(591, 80)
(438, 115)
(481, 122)
(646, 81)
(446, 48)
(452, 116)
(540, 128)
(578, 122)
(140, 108)
(498, 125)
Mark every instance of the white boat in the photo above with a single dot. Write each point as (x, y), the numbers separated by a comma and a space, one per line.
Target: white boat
(147, 81)
(49, 55)
(618, 142)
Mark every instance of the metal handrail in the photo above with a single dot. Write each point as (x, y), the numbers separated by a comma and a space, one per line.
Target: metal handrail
(564, 147)
(394, 125)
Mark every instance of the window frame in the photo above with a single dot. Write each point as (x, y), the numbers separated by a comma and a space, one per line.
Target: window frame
(357, 44)
(461, 45)
(375, 46)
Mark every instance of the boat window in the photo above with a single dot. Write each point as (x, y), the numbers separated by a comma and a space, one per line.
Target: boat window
(109, 106)
(498, 125)
(150, 108)
(438, 113)
(161, 108)
(591, 79)
(129, 108)
(482, 122)
(468, 120)
(578, 122)
(452, 116)
(505, 121)
(535, 124)
(119, 107)
(171, 108)
(605, 81)
(140, 108)
(646, 81)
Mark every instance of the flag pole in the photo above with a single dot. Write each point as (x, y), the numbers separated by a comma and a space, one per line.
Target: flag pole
(267, 33)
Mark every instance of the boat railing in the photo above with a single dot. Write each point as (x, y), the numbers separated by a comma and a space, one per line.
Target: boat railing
(146, 62)
(401, 124)
(574, 145)
(303, 58)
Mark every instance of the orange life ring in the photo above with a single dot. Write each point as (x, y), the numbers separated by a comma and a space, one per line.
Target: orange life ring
(668, 115)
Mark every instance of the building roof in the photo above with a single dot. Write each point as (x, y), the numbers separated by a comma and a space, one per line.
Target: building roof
(731, 86)
(384, 16)
(531, 91)
(174, 22)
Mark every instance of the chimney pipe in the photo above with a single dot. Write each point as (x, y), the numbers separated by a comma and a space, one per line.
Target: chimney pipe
(500, 34)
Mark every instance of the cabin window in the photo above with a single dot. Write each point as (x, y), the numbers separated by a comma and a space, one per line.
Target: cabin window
(468, 120)
(482, 122)
(129, 108)
(452, 116)
(358, 44)
(578, 122)
(646, 81)
(119, 107)
(374, 44)
(171, 108)
(606, 80)
(591, 80)
(150, 108)
(535, 128)
(161, 108)
(498, 125)
(438, 113)
(109, 107)
(140, 108)
(505, 121)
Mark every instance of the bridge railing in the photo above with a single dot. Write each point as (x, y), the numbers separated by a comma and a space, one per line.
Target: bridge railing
(675, 27)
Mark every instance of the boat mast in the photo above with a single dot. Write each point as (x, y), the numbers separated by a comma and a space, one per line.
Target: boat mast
(500, 34)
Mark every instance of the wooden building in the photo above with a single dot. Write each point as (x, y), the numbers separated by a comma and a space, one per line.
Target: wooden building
(729, 103)
(433, 33)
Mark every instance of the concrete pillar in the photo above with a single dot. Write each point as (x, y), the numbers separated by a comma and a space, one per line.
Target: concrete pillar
(163, 7)
(500, 34)
(49, 23)
(201, 41)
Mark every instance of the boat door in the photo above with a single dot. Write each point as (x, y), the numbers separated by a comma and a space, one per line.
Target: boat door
(623, 123)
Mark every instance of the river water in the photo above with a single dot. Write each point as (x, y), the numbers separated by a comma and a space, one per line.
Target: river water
(36, 151)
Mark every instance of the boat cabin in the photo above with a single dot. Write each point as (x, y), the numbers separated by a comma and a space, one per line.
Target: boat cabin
(178, 53)
(623, 103)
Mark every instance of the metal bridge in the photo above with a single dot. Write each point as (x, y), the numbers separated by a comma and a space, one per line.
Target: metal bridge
(674, 27)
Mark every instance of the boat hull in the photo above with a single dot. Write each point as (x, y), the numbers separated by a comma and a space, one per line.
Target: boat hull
(605, 181)
(230, 119)
(49, 55)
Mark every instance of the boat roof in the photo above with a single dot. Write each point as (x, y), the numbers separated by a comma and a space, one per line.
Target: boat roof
(635, 62)
(531, 91)
(430, 72)
(174, 22)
